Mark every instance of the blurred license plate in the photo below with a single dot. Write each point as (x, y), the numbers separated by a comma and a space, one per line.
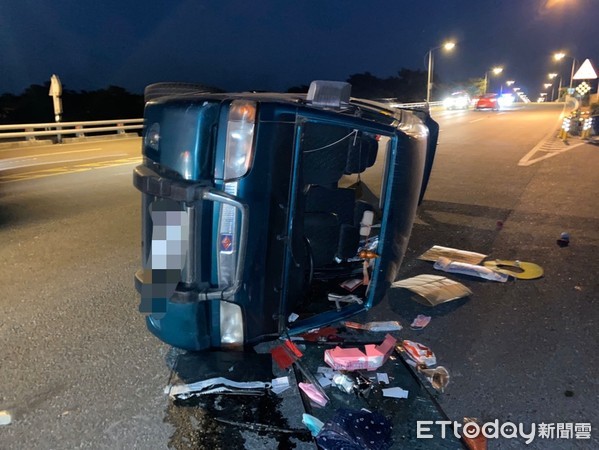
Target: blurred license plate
(170, 235)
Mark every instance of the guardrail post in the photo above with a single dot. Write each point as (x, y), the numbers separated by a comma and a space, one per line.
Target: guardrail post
(58, 135)
(121, 130)
(29, 138)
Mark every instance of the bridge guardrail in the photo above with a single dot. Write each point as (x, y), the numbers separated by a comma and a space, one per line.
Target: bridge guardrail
(30, 131)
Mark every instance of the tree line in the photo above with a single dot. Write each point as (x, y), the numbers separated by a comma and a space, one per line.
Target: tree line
(34, 105)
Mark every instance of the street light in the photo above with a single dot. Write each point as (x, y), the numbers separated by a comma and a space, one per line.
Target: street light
(547, 86)
(561, 55)
(496, 71)
(559, 87)
(446, 46)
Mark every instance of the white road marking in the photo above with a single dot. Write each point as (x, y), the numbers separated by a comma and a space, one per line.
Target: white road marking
(476, 120)
(5, 166)
(53, 154)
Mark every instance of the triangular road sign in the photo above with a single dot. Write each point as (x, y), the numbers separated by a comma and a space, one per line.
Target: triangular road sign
(585, 71)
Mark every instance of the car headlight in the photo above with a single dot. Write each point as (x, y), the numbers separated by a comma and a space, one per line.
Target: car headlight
(152, 137)
(239, 148)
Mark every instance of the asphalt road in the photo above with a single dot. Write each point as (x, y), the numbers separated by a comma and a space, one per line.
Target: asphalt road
(523, 351)
(79, 370)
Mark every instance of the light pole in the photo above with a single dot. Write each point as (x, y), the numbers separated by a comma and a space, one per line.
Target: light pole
(561, 55)
(429, 82)
(559, 87)
(547, 86)
(496, 71)
(508, 83)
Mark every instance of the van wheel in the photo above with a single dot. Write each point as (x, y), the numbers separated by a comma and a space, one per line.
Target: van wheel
(167, 89)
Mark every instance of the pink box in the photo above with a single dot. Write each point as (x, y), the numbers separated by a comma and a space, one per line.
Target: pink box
(373, 357)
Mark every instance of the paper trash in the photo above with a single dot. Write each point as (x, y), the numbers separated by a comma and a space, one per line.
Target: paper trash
(437, 251)
(419, 353)
(349, 359)
(391, 325)
(395, 392)
(433, 289)
(279, 385)
(447, 265)
(420, 321)
(5, 418)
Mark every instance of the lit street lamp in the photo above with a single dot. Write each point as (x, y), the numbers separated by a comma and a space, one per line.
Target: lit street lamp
(496, 71)
(561, 55)
(429, 83)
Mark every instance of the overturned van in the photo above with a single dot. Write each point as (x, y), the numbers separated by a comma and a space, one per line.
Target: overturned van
(266, 214)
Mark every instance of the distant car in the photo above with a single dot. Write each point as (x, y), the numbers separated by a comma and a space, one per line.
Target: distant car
(457, 100)
(487, 101)
(506, 100)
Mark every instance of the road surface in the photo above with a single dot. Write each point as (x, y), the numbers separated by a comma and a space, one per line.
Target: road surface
(79, 370)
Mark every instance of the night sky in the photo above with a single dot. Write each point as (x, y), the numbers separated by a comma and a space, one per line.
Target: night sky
(276, 44)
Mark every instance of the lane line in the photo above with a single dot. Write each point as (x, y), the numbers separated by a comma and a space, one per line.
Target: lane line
(53, 154)
(66, 170)
(46, 163)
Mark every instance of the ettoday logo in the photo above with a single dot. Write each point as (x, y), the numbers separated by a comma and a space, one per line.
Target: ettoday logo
(428, 429)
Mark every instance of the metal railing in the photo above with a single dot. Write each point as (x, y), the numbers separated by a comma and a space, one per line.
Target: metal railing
(416, 105)
(31, 131)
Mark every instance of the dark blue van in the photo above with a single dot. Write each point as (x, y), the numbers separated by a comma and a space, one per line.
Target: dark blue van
(266, 214)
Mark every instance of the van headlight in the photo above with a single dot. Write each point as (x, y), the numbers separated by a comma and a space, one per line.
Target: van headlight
(239, 149)
(231, 324)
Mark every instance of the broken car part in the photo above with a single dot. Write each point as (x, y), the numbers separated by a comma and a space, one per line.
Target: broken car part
(518, 269)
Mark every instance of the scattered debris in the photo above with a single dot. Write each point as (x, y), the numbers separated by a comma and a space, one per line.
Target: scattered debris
(355, 429)
(217, 385)
(392, 325)
(419, 353)
(5, 418)
(286, 354)
(438, 377)
(564, 239)
(312, 423)
(354, 359)
(437, 251)
(382, 377)
(433, 289)
(343, 382)
(352, 284)
(578, 288)
(292, 317)
(517, 269)
(325, 334)
(420, 322)
(395, 392)
(280, 385)
(338, 299)
(447, 265)
(499, 225)
(313, 393)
